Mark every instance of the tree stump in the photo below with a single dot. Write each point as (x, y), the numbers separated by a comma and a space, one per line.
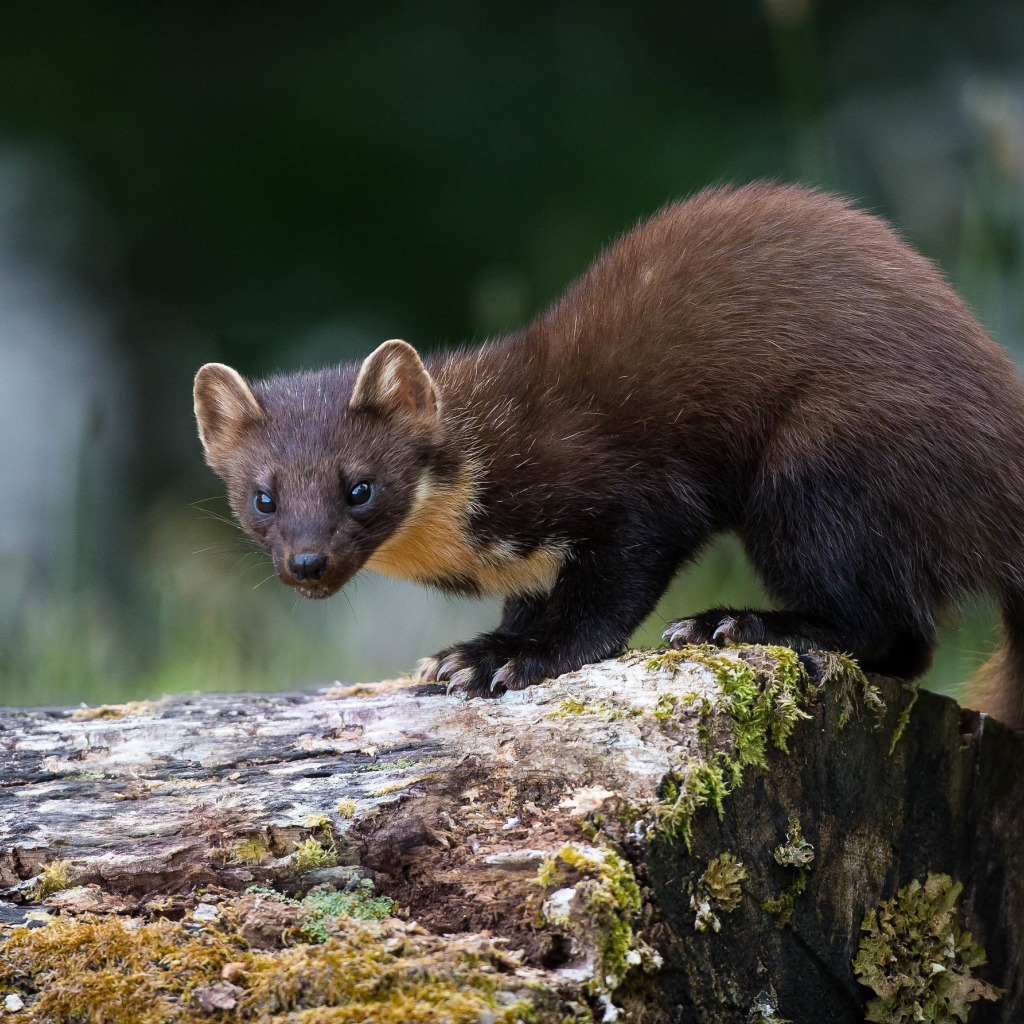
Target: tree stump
(704, 836)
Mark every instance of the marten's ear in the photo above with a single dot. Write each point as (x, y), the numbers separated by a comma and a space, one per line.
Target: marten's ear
(225, 408)
(394, 379)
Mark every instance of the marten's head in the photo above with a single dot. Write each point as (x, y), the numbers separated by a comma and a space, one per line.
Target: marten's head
(323, 467)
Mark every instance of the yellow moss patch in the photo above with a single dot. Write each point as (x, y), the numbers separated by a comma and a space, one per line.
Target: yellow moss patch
(310, 854)
(346, 807)
(320, 822)
(392, 787)
(132, 707)
(110, 971)
(248, 850)
(54, 878)
(570, 707)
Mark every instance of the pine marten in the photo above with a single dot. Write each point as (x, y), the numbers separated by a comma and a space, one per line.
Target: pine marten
(765, 360)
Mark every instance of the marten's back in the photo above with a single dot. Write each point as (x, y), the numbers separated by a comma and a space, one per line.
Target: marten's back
(781, 296)
(769, 330)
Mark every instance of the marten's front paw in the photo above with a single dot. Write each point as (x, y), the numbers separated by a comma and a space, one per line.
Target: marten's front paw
(719, 626)
(477, 669)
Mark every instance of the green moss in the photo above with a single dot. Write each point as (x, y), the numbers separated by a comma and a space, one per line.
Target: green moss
(674, 657)
(55, 877)
(904, 719)
(310, 854)
(346, 807)
(687, 789)
(916, 958)
(321, 906)
(110, 971)
(759, 705)
(547, 873)
(320, 823)
(667, 707)
(611, 901)
(845, 679)
(717, 891)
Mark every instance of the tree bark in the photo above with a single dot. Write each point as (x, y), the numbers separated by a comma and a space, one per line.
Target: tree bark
(521, 823)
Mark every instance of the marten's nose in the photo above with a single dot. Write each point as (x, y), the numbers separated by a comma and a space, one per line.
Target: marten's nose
(308, 566)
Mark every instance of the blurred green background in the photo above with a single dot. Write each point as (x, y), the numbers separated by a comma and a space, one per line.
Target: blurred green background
(287, 185)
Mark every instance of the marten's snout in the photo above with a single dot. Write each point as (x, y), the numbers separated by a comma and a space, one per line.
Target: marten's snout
(309, 565)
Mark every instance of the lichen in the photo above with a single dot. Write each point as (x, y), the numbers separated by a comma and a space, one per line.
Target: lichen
(383, 766)
(115, 971)
(717, 891)
(765, 1009)
(917, 959)
(394, 787)
(783, 906)
(795, 852)
(132, 708)
(322, 905)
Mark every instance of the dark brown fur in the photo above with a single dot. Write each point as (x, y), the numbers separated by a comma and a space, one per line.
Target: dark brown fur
(765, 360)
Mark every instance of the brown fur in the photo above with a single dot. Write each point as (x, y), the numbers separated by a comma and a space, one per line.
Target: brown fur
(765, 360)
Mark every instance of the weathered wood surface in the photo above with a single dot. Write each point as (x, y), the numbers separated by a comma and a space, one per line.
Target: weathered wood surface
(451, 807)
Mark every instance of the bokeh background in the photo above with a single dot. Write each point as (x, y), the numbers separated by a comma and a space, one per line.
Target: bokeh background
(287, 185)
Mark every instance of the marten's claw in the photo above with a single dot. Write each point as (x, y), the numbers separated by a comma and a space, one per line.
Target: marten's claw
(460, 680)
(719, 626)
(724, 631)
(485, 667)
(684, 632)
(728, 627)
(449, 669)
(501, 677)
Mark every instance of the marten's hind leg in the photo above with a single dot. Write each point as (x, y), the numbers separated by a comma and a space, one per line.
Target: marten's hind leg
(851, 579)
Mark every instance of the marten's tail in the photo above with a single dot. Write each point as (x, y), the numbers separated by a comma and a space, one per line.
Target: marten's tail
(998, 686)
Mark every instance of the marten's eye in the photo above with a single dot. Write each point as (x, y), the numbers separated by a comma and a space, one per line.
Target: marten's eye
(360, 493)
(264, 503)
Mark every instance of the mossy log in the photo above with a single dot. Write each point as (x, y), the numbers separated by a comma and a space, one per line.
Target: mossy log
(699, 836)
